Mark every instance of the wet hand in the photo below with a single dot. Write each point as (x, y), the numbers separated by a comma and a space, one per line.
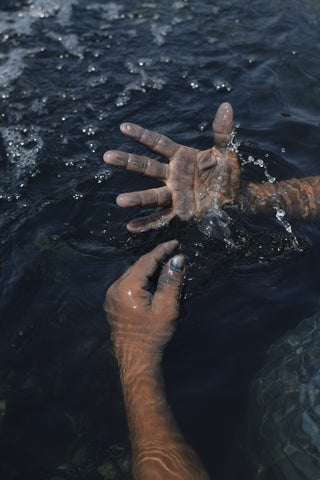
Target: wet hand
(196, 181)
(142, 323)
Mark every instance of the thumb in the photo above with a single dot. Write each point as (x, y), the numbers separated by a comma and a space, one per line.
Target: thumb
(169, 284)
(223, 126)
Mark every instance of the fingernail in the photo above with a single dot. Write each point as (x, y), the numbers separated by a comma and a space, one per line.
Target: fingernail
(120, 199)
(126, 127)
(177, 263)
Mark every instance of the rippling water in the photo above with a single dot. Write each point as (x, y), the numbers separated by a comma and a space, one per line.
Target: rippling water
(70, 72)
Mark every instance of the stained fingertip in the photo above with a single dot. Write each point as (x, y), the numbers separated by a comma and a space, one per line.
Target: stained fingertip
(177, 263)
(170, 280)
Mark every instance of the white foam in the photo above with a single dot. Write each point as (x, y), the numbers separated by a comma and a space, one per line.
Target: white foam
(70, 42)
(18, 24)
(159, 33)
(21, 23)
(13, 65)
(22, 147)
(143, 82)
(107, 11)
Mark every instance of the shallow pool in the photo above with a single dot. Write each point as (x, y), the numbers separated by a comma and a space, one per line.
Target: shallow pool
(70, 72)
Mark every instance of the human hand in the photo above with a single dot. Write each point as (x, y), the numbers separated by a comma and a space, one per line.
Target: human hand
(142, 323)
(196, 181)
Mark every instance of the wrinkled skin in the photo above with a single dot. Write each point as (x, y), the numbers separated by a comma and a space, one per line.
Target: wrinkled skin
(196, 181)
(142, 323)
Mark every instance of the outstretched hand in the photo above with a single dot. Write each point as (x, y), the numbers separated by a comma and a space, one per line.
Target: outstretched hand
(196, 181)
(142, 323)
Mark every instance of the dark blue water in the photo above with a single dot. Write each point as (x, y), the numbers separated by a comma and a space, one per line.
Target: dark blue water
(70, 72)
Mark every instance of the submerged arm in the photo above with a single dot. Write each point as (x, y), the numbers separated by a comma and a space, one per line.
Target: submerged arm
(141, 326)
(298, 197)
(158, 446)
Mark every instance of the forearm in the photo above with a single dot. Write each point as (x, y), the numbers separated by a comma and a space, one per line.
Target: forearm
(158, 446)
(299, 198)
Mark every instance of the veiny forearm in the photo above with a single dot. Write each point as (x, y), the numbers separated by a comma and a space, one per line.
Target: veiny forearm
(298, 197)
(159, 449)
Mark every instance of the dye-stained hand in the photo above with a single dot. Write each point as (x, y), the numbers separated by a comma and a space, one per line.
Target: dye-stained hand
(142, 323)
(196, 181)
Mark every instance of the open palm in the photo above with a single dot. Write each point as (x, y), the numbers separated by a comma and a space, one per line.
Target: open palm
(196, 181)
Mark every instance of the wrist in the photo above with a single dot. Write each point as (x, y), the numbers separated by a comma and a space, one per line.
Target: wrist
(135, 357)
(258, 197)
(142, 349)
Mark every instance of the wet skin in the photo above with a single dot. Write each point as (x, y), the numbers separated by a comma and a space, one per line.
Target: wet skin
(141, 326)
(197, 182)
(298, 197)
(141, 323)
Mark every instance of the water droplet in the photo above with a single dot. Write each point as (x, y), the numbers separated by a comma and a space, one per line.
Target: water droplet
(222, 86)
(203, 126)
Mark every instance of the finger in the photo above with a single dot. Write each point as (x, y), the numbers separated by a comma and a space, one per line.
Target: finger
(154, 221)
(153, 198)
(148, 264)
(136, 163)
(156, 142)
(169, 284)
(223, 126)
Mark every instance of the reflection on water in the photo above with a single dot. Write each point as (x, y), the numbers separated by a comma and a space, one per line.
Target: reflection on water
(70, 72)
(285, 405)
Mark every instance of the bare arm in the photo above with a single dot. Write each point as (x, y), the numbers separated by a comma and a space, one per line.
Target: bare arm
(141, 325)
(298, 197)
(200, 182)
(158, 446)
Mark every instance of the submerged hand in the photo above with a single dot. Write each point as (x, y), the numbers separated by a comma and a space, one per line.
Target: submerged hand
(195, 180)
(142, 323)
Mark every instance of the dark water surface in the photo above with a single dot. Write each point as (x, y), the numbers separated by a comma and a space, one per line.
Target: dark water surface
(70, 72)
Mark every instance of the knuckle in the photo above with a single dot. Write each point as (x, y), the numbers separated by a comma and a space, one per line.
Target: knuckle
(112, 291)
(145, 164)
(170, 283)
(157, 141)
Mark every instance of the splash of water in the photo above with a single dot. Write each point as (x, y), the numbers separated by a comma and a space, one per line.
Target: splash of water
(259, 162)
(217, 222)
(280, 216)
